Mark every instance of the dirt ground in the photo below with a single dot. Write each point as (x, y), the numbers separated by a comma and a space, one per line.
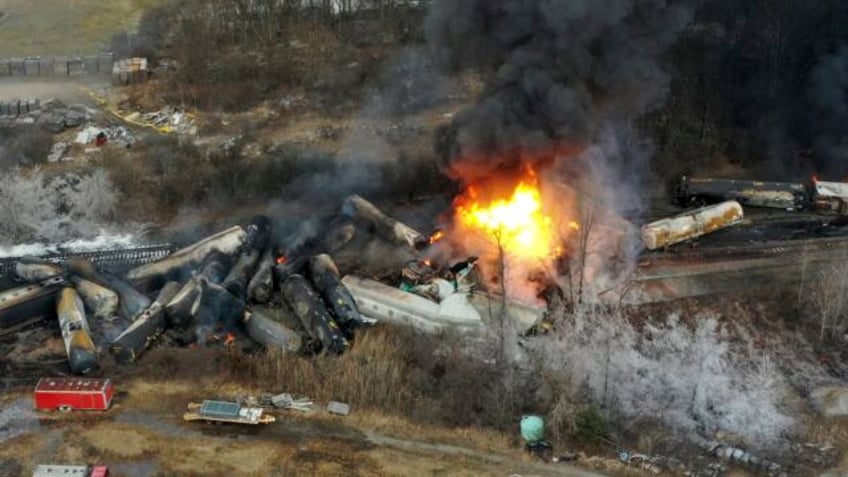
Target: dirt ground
(68, 91)
(65, 27)
(144, 435)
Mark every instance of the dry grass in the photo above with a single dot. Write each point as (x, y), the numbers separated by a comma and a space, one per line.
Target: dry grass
(375, 374)
(395, 426)
(393, 371)
(121, 441)
(66, 27)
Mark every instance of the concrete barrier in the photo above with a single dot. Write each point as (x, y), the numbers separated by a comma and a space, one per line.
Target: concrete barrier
(97, 64)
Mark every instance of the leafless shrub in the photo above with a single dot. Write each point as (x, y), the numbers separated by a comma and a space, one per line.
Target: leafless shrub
(692, 378)
(34, 206)
(24, 146)
(827, 297)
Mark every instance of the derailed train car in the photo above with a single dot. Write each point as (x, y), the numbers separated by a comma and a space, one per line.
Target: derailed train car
(830, 197)
(778, 195)
(819, 196)
(691, 224)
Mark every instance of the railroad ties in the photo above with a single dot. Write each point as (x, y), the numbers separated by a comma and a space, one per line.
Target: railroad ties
(117, 260)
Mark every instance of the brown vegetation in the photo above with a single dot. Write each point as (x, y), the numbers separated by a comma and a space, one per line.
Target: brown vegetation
(25, 146)
(251, 52)
(164, 174)
(394, 371)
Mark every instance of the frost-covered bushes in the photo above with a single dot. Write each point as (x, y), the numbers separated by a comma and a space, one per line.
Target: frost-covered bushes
(36, 207)
(702, 379)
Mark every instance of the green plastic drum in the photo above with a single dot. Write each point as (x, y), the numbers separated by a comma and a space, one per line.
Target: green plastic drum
(532, 429)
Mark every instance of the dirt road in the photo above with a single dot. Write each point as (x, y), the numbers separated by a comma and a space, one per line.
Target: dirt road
(144, 435)
(68, 90)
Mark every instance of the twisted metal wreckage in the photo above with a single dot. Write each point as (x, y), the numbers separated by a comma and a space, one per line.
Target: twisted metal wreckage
(235, 282)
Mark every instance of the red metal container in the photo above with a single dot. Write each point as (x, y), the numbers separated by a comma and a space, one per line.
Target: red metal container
(100, 471)
(67, 394)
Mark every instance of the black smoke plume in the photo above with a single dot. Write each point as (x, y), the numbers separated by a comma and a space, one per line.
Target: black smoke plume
(829, 98)
(556, 71)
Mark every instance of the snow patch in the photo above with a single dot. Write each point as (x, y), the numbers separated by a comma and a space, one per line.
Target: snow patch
(104, 241)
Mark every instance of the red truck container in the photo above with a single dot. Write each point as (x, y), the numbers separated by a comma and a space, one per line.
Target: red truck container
(100, 471)
(67, 394)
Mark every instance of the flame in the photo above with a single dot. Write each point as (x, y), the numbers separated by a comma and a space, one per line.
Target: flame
(282, 260)
(517, 222)
(231, 338)
(437, 235)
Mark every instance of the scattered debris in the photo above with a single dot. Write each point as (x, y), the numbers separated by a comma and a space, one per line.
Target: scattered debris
(739, 456)
(339, 408)
(224, 411)
(292, 101)
(87, 135)
(167, 120)
(641, 461)
(57, 152)
(101, 135)
(287, 401)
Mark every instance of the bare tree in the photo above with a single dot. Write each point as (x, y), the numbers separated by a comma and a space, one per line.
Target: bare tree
(828, 298)
(575, 275)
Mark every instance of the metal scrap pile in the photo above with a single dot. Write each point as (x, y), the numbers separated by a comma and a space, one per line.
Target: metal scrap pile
(52, 114)
(197, 293)
(167, 120)
(235, 283)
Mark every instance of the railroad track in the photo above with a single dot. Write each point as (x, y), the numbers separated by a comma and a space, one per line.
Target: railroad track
(784, 248)
(768, 265)
(113, 260)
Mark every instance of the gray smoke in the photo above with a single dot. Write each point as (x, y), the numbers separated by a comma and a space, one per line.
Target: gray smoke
(829, 99)
(556, 71)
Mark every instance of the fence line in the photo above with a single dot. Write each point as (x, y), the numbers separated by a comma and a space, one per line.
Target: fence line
(99, 64)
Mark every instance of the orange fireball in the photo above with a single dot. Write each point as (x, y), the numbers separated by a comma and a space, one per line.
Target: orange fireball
(517, 222)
